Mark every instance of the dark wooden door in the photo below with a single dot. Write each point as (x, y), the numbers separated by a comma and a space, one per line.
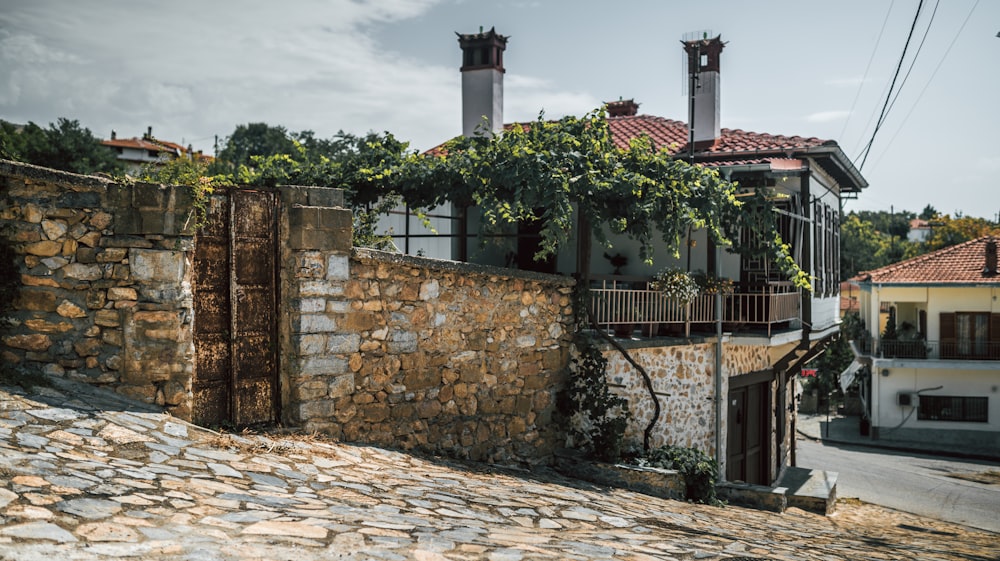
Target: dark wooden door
(749, 434)
(235, 306)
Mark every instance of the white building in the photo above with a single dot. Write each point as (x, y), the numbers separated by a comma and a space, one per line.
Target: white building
(937, 378)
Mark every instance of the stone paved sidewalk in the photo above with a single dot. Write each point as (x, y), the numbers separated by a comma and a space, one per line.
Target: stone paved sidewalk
(86, 478)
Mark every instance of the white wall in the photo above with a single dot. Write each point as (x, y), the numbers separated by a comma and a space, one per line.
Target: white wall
(952, 382)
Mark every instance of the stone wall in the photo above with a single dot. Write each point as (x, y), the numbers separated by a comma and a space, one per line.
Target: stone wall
(104, 293)
(683, 377)
(414, 353)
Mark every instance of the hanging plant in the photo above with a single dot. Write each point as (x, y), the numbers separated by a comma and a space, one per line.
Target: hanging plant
(708, 284)
(675, 284)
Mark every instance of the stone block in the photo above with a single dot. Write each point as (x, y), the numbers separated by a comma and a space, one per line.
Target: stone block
(310, 344)
(46, 248)
(75, 199)
(35, 342)
(338, 268)
(122, 293)
(90, 239)
(314, 323)
(342, 386)
(112, 255)
(36, 300)
(54, 229)
(148, 195)
(156, 265)
(422, 379)
(107, 318)
(68, 309)
(317, 409)
(403, 342)
(43, 326)
(33, 213)
(343, 344)
(100, 220)
(30, 280)
(320, 288)
(82, 271)
(323, 365)
(87, 347)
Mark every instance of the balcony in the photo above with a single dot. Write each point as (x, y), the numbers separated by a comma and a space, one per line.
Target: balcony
(932, 350)
(624, 304)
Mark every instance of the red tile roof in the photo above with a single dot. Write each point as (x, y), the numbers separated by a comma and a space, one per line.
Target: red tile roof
(735, 147)
(673, 135)
(143, 144)
(964, 263)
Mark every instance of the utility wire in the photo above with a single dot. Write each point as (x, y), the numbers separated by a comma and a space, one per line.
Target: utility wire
(931, 79)
(913, 61)
(864, 78)
(885, 106)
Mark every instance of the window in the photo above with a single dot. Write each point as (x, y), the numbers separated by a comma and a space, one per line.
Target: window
(969, 335)
(951, 408)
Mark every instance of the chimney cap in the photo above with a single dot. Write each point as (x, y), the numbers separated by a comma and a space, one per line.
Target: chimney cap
(990, 265)
(622, 108)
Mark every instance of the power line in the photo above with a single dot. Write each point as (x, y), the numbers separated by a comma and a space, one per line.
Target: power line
(895, 76)
(867, 68)
(929, 80)
(913, 61)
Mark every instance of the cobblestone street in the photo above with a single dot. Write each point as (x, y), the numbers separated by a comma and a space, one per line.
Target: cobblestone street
(84, 477)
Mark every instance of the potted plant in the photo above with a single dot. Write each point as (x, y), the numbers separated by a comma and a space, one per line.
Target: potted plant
(679, 287)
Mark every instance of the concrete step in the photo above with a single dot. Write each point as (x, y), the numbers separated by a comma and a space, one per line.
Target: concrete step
(812, 490)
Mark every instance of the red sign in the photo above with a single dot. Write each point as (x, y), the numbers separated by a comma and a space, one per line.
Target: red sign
(809, 372)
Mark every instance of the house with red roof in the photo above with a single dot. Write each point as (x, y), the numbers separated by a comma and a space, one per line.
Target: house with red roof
(748, 346)
(137, 153)
(935, 365)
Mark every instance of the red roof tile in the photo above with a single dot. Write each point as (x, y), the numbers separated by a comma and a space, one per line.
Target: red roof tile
(735, 147)
(964, 263)
(673, 135)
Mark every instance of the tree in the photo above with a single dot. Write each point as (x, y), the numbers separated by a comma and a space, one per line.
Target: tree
(65, 146)
(947, 231)
(556, 174)
(928, 213)
(260, 140)
(862, 248)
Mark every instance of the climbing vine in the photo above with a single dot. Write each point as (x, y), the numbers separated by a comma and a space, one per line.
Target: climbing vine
(596, 418)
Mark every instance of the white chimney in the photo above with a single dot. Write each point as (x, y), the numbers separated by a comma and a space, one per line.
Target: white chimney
(703, 65)
(482, 80)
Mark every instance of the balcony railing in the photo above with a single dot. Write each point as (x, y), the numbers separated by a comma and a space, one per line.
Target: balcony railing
(623, 304)
(936, 350)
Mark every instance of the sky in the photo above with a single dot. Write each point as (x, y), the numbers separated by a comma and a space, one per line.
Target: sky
(195, 70)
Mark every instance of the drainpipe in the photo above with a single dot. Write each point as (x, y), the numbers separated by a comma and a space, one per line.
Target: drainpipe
(718, 368)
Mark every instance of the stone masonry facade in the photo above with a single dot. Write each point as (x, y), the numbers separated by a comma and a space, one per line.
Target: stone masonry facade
(105, 288)
(445, 357)
(683, 377)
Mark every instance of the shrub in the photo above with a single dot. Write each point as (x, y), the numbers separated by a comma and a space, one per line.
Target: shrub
(699, 470)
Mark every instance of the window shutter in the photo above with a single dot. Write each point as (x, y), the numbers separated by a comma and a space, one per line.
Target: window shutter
(948, 327)
(994, 344)
(948, 344)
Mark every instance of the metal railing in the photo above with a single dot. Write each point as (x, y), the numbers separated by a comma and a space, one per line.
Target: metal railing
(623, 304)
(934, 350)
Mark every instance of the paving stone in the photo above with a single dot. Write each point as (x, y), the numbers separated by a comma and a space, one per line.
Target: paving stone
(173, 496)
(90, 508)
(38, 531)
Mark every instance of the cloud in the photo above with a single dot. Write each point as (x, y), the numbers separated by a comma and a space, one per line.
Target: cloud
(827, 116)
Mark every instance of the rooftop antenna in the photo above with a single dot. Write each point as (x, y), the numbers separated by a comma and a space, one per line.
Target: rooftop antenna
(685, 75)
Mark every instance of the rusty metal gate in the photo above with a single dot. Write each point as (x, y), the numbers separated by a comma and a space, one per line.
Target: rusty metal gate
(235, 306)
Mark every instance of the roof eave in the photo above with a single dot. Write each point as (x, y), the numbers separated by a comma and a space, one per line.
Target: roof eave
(833, 160)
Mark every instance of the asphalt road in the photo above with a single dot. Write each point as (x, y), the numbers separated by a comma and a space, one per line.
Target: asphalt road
(932, 486)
